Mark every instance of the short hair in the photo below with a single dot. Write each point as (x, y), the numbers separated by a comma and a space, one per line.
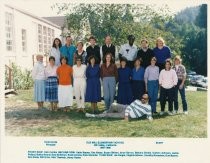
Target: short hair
(160, 39)
(52, 58)
(144, 40)
(64, 57)
(123, 59)
(92, 37)
(80, 42)
(91, 57)
(38, 56)
(177, 57)
(168, 61)
(60, 44)
(107, 36)
(154, 58)
(68, 37)
(112, 59)
(79, 58)
(138, 59)
(131, 37)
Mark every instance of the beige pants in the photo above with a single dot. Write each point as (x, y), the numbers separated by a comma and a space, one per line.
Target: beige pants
(79, 91)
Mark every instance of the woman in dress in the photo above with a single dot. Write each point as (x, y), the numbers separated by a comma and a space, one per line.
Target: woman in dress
(38, 75)
(65, 91)
(138, 85)
(79, 83)
(55, 51)
(124, 94)
(51, 87)
(93, 89)
(80, 52)
(109, 77)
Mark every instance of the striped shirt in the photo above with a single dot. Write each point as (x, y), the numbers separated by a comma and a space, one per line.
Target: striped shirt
(180, 71)
(137, 109)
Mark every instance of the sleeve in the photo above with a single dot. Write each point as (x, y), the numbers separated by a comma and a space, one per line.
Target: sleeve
(175, 78)
(146, 75)
(34, 71)
(169, 53)
(87, 72)
(184, 72)
(161, 77)
(116, 72)
(57, 72)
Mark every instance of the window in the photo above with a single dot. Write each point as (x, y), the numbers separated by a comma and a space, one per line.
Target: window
(40, 43)
(9, 31)
(45, 38)
(24, 46)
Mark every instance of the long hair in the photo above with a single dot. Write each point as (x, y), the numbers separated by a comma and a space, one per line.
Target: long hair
(59, 45)
(112, 59)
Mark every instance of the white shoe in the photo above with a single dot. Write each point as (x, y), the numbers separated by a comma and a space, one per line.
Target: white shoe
(186, 112)
(150, 118)
(170, 113)
(89, 115)
(104, 112)
(162, 112)
(175, 112)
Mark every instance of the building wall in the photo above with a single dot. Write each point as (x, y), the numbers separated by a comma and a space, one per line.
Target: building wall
(30, 24)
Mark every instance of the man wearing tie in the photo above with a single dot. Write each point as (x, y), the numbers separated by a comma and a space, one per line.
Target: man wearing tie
(129, 51)
(108, 47)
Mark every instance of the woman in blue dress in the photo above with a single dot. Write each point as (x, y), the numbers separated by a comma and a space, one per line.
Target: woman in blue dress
(138, 84)
(93, 89)
(124, 94)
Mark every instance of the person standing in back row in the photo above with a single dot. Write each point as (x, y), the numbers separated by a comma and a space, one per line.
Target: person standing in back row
(94, 50)
(145, 53)
(129, 51)
(108, 47)
(68, 50)
(161, 53)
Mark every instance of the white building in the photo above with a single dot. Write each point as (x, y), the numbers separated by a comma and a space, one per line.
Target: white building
(25, 35)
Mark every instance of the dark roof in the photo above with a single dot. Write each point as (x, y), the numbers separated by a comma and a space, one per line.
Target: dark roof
(59, 20)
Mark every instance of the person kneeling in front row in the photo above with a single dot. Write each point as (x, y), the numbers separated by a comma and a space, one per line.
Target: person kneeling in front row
(136, 109)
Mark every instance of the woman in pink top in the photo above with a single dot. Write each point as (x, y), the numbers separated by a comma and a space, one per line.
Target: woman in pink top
(167, 80)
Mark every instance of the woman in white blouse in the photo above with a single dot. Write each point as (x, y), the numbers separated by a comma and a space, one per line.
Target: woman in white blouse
(55, 51)
(79, 76)
(51, 86)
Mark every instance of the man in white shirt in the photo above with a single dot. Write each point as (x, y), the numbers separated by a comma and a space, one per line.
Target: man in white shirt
(129, 51)
(136, 109)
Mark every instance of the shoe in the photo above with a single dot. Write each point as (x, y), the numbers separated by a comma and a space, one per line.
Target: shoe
(155, 112)
(150, 118)
(162, 112)
(186, 112)
(175, 112)
(170, 113)
(89, 115)
(105, 112)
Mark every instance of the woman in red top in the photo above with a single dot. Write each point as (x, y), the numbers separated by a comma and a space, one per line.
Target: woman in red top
(65, 91)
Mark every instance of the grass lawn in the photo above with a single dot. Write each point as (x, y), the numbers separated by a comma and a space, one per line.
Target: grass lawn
(23, 119)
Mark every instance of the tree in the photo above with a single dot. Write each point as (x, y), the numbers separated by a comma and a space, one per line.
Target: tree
(201, 19)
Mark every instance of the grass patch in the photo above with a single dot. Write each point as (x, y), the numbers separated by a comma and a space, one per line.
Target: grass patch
(23, 119)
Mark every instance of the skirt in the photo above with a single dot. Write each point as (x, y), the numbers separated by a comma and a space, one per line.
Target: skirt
(51, 89)
(65, 95)
(39, 90)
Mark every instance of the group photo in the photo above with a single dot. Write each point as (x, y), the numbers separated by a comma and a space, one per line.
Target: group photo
(108, 70)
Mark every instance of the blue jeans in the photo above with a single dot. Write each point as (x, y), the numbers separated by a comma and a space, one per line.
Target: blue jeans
(182, 93)
(152, 87)
(109, 86)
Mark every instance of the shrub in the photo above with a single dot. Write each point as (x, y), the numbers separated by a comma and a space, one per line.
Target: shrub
(22, 79)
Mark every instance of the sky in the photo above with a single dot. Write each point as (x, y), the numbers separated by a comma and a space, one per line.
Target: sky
(42, 8)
